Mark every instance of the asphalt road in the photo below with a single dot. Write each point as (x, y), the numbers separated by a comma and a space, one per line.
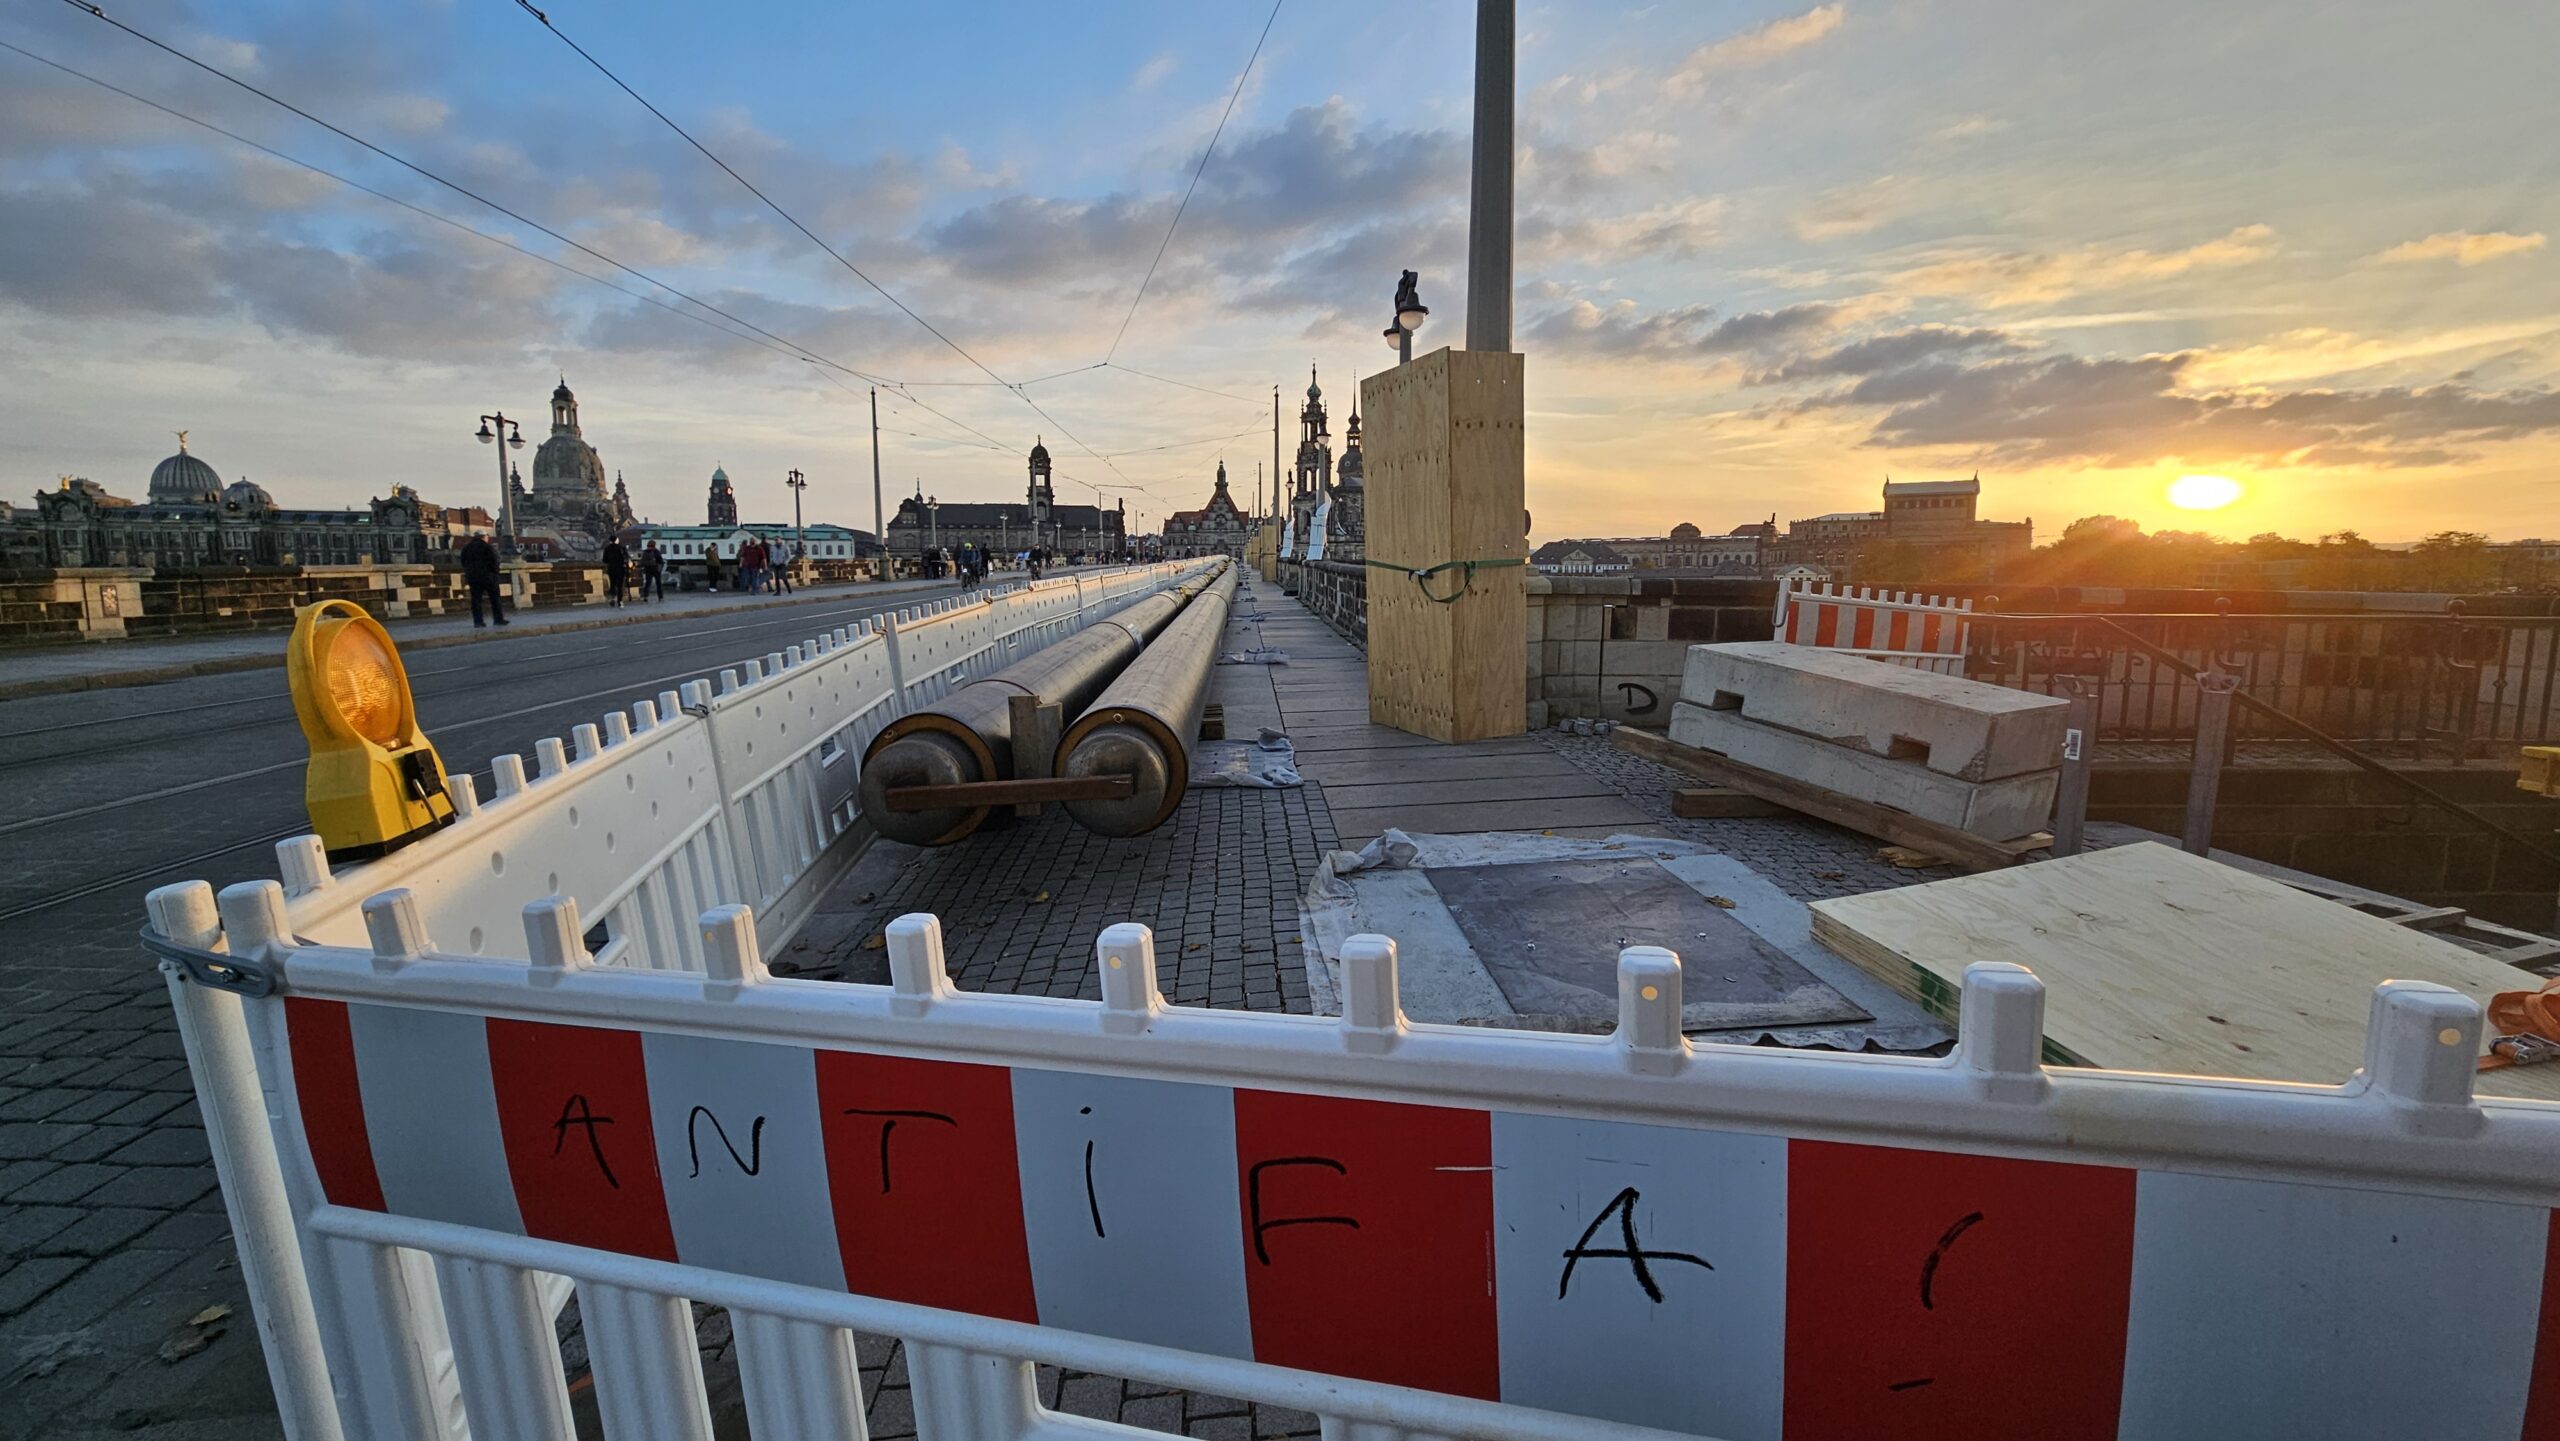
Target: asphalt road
(106, 794)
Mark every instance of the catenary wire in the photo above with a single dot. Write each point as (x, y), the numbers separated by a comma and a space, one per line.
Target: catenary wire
(1196, 173)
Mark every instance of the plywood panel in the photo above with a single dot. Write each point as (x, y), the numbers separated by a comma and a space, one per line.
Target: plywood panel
(2155, 960)
(1444, 442)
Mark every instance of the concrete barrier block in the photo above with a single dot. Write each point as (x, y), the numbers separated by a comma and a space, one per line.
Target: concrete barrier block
(1956, 727)
(2001, 809)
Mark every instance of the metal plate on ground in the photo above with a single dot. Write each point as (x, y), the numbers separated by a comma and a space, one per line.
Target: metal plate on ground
(1549, 933)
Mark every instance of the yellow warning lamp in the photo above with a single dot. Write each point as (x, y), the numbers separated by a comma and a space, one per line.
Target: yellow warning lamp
(374, 784)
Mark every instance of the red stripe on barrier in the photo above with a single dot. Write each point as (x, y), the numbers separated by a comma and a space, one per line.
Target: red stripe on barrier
(573, 1114)
(927, 1191)
(332, 1104)
(1929, 628)
(1826, 625)
(1794, 612)
(1862, 632)
(1898, 631)
(1932, 1295)
(2542, 1401)
(1395, 1199)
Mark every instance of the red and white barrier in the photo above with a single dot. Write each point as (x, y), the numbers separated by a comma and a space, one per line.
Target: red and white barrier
(1924, 631)
(1440, 1229)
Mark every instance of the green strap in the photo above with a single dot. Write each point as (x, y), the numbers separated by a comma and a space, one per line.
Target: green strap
(1422, 578)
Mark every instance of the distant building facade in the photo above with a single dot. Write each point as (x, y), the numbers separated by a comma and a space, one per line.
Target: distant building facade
(569, 512)
(190, 519)
(693, 547)
(1939, 516)
(1317, 485)
(1007, 527)
(1579, 557)
(1217, 528)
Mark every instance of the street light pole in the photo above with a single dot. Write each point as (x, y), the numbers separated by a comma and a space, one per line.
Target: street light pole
(514, 435)
(1489, 192)
(800, 531)
(879, 520)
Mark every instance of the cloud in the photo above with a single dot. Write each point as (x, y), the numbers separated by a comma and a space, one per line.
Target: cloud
(2136, 411)
(1623, 330)
(1851, 210)
(1892, 351)
(1152, 73)
(1753, 47)
(2021, 278)
(2464, 247)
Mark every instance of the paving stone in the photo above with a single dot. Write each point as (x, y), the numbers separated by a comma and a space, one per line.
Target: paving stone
(62, 1184)
(160, 1188)
(893, 1413)
(145, 1107)
(1238, 1427)
(24, 1228)
(165, 1146)
(1153, 1413)
(91, 1143)
(1282, 1421)
(24, 1283)
(1096, 1397)
(185, 1231)
(99, 1230)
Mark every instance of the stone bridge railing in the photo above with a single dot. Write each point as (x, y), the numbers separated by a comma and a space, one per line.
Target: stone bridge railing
(1337, 591)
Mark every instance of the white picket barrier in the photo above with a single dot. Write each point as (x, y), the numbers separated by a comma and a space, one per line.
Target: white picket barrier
(1925, 632)
(1405, 1228)
(735, 790)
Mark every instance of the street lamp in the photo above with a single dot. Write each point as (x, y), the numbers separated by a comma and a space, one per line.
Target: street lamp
(800, 541)
(933, 520)
(1004, 531)
(506, 493)
(1410, 313)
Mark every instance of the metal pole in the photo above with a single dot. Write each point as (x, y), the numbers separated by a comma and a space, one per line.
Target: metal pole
(1404, 346)
(1489, 196)
(800, 530)
(2204, 778)
(2079, 747)
(879, 523)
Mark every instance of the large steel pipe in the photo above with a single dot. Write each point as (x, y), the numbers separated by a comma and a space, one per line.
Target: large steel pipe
(967, 736)
(1142, 727)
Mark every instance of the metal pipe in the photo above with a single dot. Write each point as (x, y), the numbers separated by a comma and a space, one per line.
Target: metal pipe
(1142, 727)
(1489, 189)
(967, 736)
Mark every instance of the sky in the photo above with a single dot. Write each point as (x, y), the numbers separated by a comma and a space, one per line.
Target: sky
(1768, 255)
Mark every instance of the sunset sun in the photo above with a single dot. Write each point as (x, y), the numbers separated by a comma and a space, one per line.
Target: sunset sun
(2203, 492)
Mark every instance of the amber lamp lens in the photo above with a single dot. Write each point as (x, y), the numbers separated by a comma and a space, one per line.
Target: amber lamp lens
(363, 683)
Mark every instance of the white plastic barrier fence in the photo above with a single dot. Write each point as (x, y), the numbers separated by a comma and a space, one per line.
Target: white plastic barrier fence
(709, 794)
(1405, 1228)
(1926, 632)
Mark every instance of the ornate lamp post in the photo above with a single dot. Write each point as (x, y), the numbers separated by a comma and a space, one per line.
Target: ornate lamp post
(800, 541)
(506, 493)
(1410, 313)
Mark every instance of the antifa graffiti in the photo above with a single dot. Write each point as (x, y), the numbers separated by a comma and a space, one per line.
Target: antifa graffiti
(752, 1162)
(1262, 1227)
(577, 1112)
(889, 1126)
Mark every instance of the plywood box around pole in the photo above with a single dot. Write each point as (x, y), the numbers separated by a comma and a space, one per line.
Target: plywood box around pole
(1445, 483)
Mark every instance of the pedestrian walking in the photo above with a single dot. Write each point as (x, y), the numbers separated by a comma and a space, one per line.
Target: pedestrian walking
(751, 566)
(653, 572)
(782, 573)
(617, 573)
(480, 576)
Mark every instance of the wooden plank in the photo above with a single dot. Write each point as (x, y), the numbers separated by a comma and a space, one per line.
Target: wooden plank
(1035, 729)
(1721, 803)
(2155, 960)
(1008, 793)
(1960, 847)
(1445, 483)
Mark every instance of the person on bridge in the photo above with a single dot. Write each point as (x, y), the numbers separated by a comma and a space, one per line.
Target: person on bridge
(480, 576)
(653, 572)
(782, 573)
(617, 573)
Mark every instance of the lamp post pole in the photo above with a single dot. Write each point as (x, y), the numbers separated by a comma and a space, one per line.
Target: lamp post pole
(879, 518)
(800, 531)
(513, 434)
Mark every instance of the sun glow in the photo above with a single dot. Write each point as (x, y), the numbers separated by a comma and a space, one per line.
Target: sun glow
(2203, 492)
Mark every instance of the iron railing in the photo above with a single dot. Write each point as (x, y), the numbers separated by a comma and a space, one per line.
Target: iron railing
(2449, 684)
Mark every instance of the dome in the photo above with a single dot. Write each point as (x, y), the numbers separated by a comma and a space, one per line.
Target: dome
(1684, 531)
(246, 494)
(1351, 472)
(1039, 451)
(562, 393)
(719, 476)
(182, 479)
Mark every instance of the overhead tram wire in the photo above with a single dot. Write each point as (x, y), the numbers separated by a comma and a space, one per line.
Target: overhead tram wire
(415, 209)
(1197, 171)
(99, 13)
(794, 222)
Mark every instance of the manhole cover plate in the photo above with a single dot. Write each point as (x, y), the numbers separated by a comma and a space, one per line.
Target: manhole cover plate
(1549, 933)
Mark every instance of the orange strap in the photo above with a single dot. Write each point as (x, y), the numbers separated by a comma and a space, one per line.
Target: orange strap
(2522, 1016)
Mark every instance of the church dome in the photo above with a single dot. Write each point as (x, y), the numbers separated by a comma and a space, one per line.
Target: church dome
(182, 479)
(1039, 450)
(246, 494)
(1684, 531)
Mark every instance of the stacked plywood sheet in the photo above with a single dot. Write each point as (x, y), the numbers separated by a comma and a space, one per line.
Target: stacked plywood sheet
(1981, 758)
(2155, 960)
